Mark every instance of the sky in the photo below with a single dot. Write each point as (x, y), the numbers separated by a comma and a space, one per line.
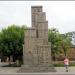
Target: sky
(60, 14)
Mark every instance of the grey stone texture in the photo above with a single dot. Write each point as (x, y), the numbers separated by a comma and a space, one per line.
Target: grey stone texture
(36, 48)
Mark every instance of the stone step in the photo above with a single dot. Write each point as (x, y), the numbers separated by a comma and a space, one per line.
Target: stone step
(37, 69)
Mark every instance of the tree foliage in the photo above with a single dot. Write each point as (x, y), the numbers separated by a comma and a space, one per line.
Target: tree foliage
(11, 41)
(59, 42)
(66, 43)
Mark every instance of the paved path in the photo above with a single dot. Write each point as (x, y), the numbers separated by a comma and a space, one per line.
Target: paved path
(13, 70)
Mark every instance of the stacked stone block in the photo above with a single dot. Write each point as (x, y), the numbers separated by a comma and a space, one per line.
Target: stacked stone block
(36, 49)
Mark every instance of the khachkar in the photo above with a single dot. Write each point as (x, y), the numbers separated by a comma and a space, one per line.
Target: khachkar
(36, 48)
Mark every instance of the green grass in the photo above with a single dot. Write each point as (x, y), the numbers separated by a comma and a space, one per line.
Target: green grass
(61, 64)
(55, 64)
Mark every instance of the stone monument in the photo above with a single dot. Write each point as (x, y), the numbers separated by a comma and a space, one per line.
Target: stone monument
(36, 48)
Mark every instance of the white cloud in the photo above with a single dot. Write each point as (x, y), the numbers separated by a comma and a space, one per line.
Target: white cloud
(60, 14)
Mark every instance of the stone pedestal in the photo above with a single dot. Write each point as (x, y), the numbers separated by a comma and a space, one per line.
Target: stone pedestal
(37, 68)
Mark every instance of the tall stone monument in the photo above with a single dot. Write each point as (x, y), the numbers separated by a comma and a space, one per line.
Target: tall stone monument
(36, 48)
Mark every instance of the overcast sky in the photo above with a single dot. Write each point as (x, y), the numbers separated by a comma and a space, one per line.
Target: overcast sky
(60, 14)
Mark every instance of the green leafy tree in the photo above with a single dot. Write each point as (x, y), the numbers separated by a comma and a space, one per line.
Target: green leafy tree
(58, 42)
(66, 43)
(11, 41)
(54, 38)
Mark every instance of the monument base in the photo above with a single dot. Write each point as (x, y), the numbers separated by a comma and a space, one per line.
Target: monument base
(39, 68)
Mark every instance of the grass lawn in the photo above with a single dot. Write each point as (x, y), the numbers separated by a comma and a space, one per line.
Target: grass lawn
(56, 64)
(61, 63)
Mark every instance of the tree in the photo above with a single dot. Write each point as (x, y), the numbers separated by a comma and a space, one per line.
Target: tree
(11, 41)
(54, 38)
(58, 42)
(66, 43)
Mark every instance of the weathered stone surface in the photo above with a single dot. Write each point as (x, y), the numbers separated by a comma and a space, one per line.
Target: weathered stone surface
(38, 68)
(36, 48)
